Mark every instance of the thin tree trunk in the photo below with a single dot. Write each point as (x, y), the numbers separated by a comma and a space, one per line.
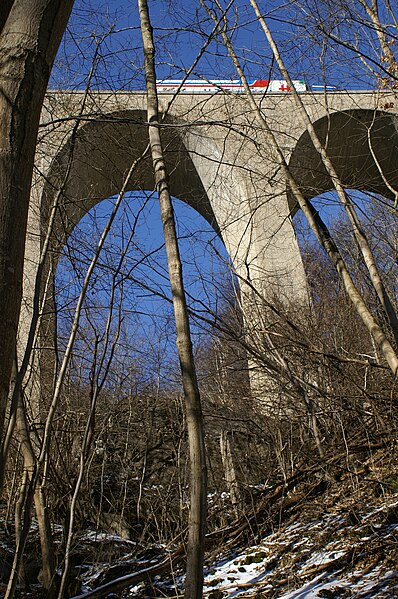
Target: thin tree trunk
(96, 387)
(30, 470)
(388, 55)
(230, 473)
(198, 475)
(359, 233)
(18, 570)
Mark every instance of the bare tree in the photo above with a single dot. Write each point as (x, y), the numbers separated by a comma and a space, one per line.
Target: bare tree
(198, 477)
(29, 38)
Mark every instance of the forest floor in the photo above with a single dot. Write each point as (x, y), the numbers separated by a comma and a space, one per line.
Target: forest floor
(331, 535)
(333, 540)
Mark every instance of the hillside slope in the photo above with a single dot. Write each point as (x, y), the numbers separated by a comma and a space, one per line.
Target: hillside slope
(332, 535)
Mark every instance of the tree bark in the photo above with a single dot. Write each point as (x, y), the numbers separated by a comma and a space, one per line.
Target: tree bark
(198, 475)
(30, 32)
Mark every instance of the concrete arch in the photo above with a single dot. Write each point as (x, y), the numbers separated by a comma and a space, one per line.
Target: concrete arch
(88, 169)
(92, 166)
(202, 174)
(360, 142)
(96, 166)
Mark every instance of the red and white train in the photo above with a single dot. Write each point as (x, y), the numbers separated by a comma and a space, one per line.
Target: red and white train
(198, 86)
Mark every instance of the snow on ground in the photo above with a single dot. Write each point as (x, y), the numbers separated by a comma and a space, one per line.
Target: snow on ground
(327, 557)
(339, 551)
(94, 535)
(320, 585)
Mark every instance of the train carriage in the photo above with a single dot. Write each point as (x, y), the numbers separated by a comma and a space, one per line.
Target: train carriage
(199, 86)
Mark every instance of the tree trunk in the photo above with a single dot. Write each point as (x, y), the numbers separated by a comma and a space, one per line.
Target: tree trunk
(29, 37)
(32, 490)
(230, 477)
(198, 475)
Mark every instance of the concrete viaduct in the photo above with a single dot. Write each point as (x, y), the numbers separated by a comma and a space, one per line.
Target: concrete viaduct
(219, 163)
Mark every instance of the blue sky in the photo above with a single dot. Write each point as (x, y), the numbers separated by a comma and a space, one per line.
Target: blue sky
(180, 29)
(147, 334)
